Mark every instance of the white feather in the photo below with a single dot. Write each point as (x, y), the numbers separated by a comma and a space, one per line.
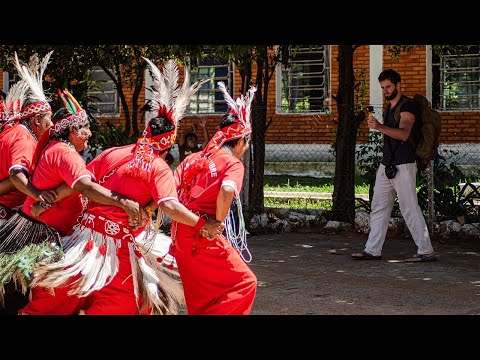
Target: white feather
(228, 99)
(242, 102)
(32, 74)
(167, 92)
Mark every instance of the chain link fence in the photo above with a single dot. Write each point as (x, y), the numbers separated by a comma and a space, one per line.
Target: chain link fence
(299, 175)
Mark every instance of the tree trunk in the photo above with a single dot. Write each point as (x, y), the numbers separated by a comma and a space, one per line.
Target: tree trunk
(343, 208)
(259, 126)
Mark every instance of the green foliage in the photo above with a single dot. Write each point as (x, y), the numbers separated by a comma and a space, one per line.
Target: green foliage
(287, 183)
(451, 200)
(360, 93)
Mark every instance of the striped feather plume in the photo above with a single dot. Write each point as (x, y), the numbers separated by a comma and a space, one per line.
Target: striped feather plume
(228, 99)
(166, 91)
(242, 106)
(184, 96)
(16, 97)
(32, 74)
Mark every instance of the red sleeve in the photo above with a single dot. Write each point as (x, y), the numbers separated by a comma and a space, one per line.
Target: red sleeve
(72, 168)
(22, 153)
(178, 173)
(94, 166)
(163, 182)
(234, 173)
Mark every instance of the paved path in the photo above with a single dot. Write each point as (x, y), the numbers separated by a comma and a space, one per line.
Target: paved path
(312, 274)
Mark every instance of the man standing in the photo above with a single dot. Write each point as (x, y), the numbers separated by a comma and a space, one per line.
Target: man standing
(396, 175)
(214, 273)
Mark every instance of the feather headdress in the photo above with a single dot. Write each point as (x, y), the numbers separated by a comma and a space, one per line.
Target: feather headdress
(169, 101)
(242, 127)
(3, 115)
(77, 116)
(29, 89)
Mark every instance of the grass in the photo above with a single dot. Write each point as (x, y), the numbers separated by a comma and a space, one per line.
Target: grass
(308, 184)
(285, 183)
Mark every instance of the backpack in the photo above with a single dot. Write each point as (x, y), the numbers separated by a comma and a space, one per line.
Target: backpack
(430, 127)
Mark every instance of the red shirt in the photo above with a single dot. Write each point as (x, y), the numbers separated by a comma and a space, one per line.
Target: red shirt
(17, 146)
(59, 163)
(222, 169)
(160, 184)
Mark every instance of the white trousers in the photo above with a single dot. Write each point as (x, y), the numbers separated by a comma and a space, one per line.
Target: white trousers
(403, 186)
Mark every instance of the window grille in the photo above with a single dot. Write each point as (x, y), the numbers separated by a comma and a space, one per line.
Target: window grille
(305, 83)
(456, 80)
(209, 99)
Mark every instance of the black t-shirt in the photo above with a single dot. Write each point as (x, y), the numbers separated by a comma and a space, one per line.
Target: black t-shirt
(395, 151)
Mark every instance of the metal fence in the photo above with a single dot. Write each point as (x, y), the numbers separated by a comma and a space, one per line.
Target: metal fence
(300, 176)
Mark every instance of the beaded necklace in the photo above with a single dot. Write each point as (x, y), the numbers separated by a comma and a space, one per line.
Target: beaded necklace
(227, 149)
(67, 142)
(235, 228)
(30, 131)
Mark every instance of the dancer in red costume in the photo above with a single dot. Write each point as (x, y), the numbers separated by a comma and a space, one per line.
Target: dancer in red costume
(25, 116)
(214, 273)
(104, 271)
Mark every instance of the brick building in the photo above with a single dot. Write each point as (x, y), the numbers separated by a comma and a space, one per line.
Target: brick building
(299, 98)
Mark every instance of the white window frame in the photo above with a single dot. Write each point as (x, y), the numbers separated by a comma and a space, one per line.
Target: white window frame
(108, 87)
(459, 82)
(208, 98)
(292, 74)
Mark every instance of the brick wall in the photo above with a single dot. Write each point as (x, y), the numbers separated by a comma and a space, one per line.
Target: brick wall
(457, 127)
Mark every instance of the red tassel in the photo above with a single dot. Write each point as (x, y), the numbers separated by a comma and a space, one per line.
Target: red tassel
(159, 259)
(170, 266)
(102, 250)
(138, 254)
(89, 245)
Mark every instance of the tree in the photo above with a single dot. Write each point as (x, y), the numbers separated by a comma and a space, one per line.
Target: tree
(124, 64)
(256, 65)
(349, 120)
(350, 116)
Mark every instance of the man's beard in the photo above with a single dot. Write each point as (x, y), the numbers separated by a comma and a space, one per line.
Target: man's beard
(392, 96)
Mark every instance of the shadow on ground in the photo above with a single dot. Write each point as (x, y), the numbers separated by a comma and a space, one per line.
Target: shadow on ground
(312, 274)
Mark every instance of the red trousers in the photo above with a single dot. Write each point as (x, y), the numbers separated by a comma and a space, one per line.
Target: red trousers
(215, 279)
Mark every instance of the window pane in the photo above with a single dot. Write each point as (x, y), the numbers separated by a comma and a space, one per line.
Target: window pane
(209, 100)
(306, 81)
(459, 80)
(105, 100)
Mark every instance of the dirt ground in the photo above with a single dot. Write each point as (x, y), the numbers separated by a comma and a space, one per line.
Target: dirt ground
(312, 274)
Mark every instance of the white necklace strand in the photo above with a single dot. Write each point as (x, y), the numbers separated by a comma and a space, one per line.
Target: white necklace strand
(227, 149)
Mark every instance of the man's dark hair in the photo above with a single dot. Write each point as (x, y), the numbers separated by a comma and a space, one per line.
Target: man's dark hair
(160, 125)
(391, 75)
(3, 95)
(229, 119)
